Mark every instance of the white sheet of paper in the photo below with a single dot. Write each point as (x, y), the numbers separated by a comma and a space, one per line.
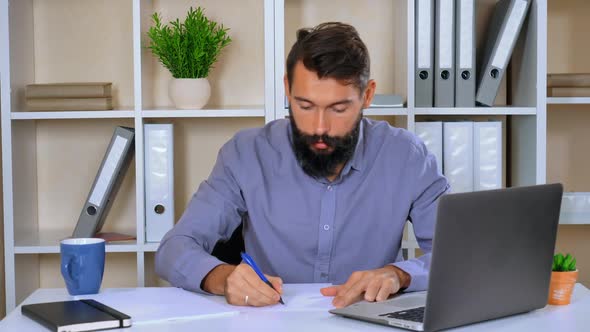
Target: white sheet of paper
(156, 304)
(297, 297)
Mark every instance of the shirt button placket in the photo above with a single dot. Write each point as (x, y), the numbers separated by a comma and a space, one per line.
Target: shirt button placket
(325, 237)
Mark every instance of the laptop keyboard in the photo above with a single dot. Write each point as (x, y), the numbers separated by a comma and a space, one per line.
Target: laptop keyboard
(413, 315)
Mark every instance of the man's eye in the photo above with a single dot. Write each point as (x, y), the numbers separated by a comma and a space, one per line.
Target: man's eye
(307, 108)
(339, 110)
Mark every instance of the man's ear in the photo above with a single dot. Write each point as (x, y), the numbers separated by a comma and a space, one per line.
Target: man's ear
(369, 93)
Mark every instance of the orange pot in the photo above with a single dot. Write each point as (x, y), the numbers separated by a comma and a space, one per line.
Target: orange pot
(561, 287)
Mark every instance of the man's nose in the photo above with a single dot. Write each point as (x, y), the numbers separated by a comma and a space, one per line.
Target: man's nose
(321, 123)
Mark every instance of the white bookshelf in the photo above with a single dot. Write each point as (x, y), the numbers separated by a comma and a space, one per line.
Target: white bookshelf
(262, 32)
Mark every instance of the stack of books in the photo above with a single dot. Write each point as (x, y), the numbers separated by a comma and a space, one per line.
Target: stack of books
(568, 85)
(83, 96)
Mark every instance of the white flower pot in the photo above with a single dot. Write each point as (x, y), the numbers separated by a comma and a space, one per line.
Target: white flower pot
(189, 93)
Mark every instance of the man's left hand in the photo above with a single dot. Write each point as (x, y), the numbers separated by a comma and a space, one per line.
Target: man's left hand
(370, 285)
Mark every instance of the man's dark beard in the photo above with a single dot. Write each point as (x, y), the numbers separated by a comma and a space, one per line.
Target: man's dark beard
(323, 164)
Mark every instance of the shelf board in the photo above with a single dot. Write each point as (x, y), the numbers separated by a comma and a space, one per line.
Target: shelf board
(574, 221)
(150, 246)
(385, 111)
(380, 111)
(113, 114)
(48, 243)
(129, 246)
(568, 100)
(476, 111)
(409, 244)
(226, 112)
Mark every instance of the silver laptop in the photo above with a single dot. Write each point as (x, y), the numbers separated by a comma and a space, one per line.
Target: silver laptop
(491, 257)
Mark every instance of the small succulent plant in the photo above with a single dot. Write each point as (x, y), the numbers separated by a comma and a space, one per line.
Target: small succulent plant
(564, 264)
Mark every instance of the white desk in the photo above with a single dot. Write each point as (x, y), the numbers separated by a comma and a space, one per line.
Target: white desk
(573, 317)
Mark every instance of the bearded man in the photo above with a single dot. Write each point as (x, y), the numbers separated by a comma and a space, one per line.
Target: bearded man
(323, 197)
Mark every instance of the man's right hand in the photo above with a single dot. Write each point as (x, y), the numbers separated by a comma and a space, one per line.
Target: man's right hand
(241, 286)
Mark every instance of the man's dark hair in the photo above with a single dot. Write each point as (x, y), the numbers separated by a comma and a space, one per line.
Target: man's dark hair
(332, 50)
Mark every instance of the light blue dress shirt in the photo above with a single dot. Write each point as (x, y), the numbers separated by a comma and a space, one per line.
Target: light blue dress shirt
(303, 229)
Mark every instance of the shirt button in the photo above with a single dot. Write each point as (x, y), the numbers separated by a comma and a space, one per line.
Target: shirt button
(326, 227)
(330, 188)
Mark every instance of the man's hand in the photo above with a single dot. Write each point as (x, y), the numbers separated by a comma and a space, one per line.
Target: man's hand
(242, 286)
(370, 285)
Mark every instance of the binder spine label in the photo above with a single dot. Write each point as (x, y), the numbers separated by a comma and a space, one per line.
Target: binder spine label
(508, 38)
(108, 171)
(466, 33)
(446, 37)
(424, 48)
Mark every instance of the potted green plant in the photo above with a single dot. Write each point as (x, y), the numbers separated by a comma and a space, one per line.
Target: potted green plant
(188, 49)
(563, 278)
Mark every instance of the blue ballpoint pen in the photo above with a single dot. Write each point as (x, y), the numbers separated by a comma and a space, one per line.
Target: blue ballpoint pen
(248, 260)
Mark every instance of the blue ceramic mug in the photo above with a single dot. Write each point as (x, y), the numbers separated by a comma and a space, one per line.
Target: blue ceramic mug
(82, 264)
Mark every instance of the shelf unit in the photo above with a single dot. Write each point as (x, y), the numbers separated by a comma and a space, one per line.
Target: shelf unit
(567, 123)
(39, 211)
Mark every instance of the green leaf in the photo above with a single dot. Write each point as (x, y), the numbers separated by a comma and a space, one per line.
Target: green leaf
(572, 266)
(560, 259)
(189, 48)
(566, 262)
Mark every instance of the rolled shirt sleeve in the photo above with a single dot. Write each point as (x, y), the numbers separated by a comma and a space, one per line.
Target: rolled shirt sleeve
(214, 212)
(429, 186)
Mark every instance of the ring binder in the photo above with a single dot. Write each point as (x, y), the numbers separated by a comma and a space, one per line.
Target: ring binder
(504, 28)
(465, 47)
(159, 180)
(107, 182)
(444, 82)
(423, 80)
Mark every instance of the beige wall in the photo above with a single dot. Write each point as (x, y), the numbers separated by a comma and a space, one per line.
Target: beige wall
(240, 61)
(381, 24)
(568, 131)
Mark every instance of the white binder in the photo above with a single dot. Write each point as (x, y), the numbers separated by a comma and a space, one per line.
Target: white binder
(444, 77)
(505, 26)
(159, 180)
(458, 155)
(465, 59)
(108, 180)
(424, 73)
(431, 133)
(487, 156)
